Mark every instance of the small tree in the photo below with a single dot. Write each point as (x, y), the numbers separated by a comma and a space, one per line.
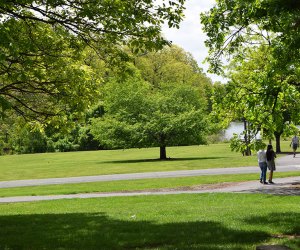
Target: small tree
(139, 116)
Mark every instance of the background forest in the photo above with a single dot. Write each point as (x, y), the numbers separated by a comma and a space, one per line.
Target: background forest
(76, 76)
(159, 99)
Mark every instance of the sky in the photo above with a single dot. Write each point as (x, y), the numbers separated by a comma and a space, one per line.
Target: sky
(190, 36)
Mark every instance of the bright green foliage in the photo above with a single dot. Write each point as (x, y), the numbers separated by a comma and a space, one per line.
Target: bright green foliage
(18, 136)
(229, 25)
(174, 65)
(166, 108)
(138, 115)
(45, 71)
(262, 38)
(177, 68)
(261, 96)
(171, 64)
(106, 23)
(43, 75)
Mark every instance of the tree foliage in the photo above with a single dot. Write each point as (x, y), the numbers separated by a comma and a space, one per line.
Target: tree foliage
(132, 111)
(264, 83)
(103, 23)
(267, 102)
(44, 71)
(173, 65)
(138, 115)
(231, 25)
(164, 104)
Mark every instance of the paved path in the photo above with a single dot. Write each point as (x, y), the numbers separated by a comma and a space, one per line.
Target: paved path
(283, 186)
(286, 186)
(284, 164)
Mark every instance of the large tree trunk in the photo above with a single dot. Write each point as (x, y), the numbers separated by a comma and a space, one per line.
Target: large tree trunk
(163, 153)
(247, 152)
(277, 137)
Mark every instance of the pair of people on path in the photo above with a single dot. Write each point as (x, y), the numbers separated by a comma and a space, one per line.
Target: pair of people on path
(266, 160)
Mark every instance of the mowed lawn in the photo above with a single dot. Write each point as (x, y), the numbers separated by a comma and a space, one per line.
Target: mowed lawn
(48, 165)
(123, 161)
(187, 221)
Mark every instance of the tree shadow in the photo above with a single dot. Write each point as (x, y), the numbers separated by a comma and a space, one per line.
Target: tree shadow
(98, 231)
(288, 223)
(168, 159)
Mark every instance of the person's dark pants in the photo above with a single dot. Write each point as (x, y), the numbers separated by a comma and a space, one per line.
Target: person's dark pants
(295, 146)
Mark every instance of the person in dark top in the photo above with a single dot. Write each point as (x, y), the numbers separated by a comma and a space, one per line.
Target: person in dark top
(271, 162)
(295, 144)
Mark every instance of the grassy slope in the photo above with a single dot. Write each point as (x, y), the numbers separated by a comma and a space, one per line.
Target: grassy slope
(33, 166)
(199, 221)
(120, 161)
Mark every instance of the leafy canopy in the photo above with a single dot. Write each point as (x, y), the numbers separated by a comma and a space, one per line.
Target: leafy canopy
(103, 24)
(266, 101)
(231, 25)
(138, 115)
(45, 71)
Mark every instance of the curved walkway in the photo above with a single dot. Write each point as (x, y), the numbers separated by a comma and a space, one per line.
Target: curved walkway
(284, 164)
(283, 186)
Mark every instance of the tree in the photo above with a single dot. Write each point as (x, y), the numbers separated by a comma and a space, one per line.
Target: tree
(233, 27)
(139, 116)
(265, 101)
(230, 25)
(43, 72)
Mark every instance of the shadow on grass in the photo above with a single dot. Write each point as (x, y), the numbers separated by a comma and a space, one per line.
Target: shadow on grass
(288, 224)
(168, 159)
(97, 231)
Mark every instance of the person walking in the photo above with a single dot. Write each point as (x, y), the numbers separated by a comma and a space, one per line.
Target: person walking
(270, 154)
(262, 163)
(295, 144)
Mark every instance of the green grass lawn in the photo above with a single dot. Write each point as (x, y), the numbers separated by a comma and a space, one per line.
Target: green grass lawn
(198, 221)
(48, 165)
(187, 221)
(123, 161)
(33, 166)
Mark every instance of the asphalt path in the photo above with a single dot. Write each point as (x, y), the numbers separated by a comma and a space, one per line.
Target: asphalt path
(283, 164)
(283, 186)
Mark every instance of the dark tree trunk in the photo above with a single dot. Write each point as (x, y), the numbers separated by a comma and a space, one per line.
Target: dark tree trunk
(163, 153)
(277, 137)
(247, 152)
